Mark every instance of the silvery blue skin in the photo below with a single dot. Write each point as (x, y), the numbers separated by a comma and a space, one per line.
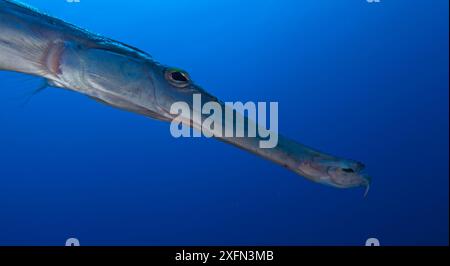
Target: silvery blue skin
(122, 76)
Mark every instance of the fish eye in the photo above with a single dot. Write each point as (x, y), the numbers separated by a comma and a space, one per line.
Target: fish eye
(177, 77)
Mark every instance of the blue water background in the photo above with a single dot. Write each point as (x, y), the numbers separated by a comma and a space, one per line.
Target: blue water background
(367, 81)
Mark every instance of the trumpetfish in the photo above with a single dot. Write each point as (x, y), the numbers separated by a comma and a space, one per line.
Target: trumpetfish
(125, 77)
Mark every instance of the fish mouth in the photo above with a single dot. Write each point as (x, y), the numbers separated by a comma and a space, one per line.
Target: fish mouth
(345, 178)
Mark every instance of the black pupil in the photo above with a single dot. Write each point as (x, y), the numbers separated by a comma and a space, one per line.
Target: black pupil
(348, 170)
(178, 76)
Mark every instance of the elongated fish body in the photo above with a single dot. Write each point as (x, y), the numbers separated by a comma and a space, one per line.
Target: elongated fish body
(127, 78)
(70, 57)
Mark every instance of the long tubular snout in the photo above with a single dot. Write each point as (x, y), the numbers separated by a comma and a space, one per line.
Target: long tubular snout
(309, 163)
(290, 154)
(302, 160)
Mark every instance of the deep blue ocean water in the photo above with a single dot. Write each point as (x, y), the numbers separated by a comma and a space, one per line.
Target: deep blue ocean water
(367, 81)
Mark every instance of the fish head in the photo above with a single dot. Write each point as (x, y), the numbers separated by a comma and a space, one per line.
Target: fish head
(174, 85)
